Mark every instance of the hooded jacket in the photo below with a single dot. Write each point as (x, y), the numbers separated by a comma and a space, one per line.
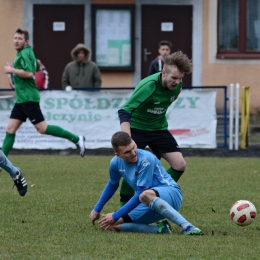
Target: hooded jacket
(84, 74)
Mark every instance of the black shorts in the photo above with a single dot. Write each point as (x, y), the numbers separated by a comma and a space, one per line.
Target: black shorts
(29, 110)
(160, 141)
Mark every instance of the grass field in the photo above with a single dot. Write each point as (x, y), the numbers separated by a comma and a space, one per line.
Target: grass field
(52, 220)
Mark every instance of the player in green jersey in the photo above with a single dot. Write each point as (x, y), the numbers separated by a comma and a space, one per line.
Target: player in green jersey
(27, 99)
(143, 116)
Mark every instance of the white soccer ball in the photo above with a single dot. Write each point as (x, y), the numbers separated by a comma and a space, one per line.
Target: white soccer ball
(243, 212)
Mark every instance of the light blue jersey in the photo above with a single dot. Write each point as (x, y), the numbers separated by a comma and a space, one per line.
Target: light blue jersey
(146, 173)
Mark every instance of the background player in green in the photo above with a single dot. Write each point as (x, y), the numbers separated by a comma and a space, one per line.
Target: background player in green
(27, 99)
(143, 116)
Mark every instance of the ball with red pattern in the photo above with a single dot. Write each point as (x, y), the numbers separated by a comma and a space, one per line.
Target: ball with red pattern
(243, 212)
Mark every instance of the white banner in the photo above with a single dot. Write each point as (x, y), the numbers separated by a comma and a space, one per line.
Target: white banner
(192, 119)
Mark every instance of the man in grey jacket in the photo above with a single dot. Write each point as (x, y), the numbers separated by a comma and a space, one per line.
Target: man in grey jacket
(81, 73)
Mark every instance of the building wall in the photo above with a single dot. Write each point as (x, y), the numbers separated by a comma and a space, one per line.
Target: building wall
(11, 18)
(113, 1)
(213, 72)
(12, 11)
(224, 72)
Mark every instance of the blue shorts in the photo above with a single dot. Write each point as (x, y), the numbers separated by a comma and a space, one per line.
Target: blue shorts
(142, 214)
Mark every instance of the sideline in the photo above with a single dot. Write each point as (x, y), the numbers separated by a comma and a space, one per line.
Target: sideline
(253, 151)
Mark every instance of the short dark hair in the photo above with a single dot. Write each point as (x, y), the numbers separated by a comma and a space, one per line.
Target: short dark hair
(180, 60)
(120, 138)
(164, 42)
(25, 33)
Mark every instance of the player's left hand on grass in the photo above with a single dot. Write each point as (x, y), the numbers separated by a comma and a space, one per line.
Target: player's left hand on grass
(94, 216)
(106, 221)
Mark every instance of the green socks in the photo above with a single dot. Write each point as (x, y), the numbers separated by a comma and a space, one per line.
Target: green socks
(62, 133)
(51, 130)
(175, 174)
(8, 143)
(126, 193)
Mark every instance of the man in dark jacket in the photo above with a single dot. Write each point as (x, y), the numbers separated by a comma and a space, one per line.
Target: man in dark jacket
(81, 73)
(164, 49)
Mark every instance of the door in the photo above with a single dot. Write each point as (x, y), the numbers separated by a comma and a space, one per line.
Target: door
(166, 22)
(57, 29)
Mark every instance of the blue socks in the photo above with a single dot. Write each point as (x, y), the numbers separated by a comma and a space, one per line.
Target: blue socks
(162, 228)
(142, 228)
(7, 165)
(164, 209)
(167, 211)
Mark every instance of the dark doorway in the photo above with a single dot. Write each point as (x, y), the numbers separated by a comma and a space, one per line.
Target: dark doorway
(53, 44)
(180, 16)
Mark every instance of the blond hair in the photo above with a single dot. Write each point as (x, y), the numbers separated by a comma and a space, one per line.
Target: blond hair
(180, 60)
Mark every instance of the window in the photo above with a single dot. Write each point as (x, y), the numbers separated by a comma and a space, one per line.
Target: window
(113, 37)
(238, 29)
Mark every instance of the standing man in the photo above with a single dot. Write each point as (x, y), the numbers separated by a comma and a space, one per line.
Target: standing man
(81, 73)
(157, 195)
(143, 116)
(157, 64)
(27, 99)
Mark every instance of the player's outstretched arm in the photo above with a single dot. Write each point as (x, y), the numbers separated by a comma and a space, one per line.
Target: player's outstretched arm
(125, 126)
(94, 216)
(124, 118)
(19, 72)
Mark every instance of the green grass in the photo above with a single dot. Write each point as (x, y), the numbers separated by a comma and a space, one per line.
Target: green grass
(52, 220)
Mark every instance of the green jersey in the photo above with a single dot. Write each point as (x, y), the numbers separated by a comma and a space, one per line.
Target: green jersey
(25, 88)
(149, 102)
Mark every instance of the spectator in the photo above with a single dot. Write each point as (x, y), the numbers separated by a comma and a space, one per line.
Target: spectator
(81, 72)
(157, 64)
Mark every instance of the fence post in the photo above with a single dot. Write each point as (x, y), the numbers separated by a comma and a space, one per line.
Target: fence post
(245, 116)
(237, 117)
(231, 117)
(231, 107)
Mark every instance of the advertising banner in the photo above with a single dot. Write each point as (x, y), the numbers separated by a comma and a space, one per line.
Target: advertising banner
(192, 118)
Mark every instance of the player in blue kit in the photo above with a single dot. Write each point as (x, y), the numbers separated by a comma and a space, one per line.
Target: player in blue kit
(157, 195)
(15, 173)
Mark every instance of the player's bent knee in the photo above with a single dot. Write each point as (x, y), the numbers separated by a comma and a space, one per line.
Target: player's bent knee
(10, 130)
(41, 131)
(181, 166)
(147, 196)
